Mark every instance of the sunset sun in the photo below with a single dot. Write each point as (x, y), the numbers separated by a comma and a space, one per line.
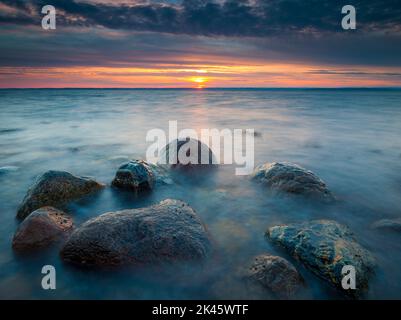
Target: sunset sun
(199, 81)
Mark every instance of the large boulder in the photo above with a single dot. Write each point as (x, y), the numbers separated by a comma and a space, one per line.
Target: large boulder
(291, 178)
(41, 228)
(325, 247)
(275, 274)
(195, 153)
(388, 225)
(165, 232)
(139, 175)
(56, 188)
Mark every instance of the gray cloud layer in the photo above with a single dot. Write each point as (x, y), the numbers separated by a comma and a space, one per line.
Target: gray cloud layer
(148, 32)
(255, 18)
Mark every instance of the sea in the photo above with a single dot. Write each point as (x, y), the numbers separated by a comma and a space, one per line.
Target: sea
(350, 138)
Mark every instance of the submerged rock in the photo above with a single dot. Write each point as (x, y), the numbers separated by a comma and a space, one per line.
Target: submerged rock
(139, 175)
(325, 247)
(41, 228)
(291, 178)
(275, 274)
(134, 175)
(165, 232)
(195, 153)
(55, 188)
(388, 224)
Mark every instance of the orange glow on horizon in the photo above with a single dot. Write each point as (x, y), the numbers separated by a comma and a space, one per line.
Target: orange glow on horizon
(200, 81)
(198, 75)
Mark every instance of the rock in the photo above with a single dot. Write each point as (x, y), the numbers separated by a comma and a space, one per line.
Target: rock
(134, 175)
(291, 178)
(55, 188)
(325, 247)
(139, 175)
(388, 224)
(165, 232)
(201, 157)
(275, 274)
(41, 228)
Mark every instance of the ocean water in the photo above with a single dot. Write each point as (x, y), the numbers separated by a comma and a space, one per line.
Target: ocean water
(350, 138)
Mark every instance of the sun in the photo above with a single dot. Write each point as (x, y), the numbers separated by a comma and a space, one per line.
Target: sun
(200, 81)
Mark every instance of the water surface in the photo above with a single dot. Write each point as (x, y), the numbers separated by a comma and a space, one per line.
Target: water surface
(350, 138)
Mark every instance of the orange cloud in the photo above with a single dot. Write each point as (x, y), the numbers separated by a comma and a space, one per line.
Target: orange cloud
(198, 75)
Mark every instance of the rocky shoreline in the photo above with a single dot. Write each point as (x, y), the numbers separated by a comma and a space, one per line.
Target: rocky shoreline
(171, 231)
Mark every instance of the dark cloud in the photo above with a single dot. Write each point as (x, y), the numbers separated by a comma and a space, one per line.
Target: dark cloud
(256, 18)
(22, 46)
(145, 33)
(354, 73)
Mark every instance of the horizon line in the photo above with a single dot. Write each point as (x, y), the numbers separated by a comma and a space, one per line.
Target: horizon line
(199, 89)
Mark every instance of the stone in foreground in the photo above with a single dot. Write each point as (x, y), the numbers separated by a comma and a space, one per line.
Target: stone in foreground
(165, 232)
(325, 247)
(41, 228)
(291, 178)
(134, 175)
(275, 274)
(138, 175)
(56, 188)
(195, 153)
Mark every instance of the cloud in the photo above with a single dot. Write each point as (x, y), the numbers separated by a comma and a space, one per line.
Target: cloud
(226, 36)
(354, 73)
(81, 46)
(230, 18)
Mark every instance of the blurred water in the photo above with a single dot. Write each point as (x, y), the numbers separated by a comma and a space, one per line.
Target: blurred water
(350, 138)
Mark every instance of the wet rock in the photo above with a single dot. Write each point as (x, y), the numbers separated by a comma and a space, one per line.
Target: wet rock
(196, 154)
(41, 228)
(165, 232)
(275, 274)
(291, 178)
(55, 188)
(388, 224)
(134, 175)
(325, 247)
(139, 175)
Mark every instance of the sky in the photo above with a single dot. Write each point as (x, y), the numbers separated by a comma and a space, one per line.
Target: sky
(199, 44)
